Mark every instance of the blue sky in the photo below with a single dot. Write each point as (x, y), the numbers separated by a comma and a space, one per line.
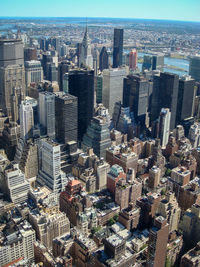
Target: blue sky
(188, 10)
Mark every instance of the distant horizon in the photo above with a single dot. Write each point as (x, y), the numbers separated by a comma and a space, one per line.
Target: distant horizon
(83, 17)
(175, 10)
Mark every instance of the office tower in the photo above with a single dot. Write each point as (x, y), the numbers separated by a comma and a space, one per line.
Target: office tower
(136, 96)
(66, 117)
(186, 95)
(164, 126)
(158, 62)
(63, 68)
(112, 87)
(49, 225)
(98, 87)
(118, 47)
(17, 243)
(98, 136)
(103, 59)
(30, 53)
(147, 63)
(12, 89)
(47, 112)
(65, 83)
(158, 237)
(26, 120)
(52, 73)
(86, 58)
(14, 184)
(50, 173)
(55, 42)
(133, 59)
(11, 52)
(33, 72)
(194, 69)
(43, 44)
(168, 95)
(64, 50)
(81, 85)
(96, 60)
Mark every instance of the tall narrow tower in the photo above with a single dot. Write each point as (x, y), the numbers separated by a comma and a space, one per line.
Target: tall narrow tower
(118, 47)
(86, 58)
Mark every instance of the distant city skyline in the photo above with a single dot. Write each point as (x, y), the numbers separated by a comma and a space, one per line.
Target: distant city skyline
(169, 10)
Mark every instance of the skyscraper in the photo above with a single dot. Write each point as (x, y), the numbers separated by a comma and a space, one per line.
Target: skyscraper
(158, 237)
(26, 120)
(186, 95)
(11, 52)
(118, 47)
(66, 117)
(164, 125)
(112, 87)
(47, 112)
(158, 62)
(98, 135)
(33, 72)
(135, 96)
(169, 94)
(103, 59)
(194, 69)
(86, 58)
(133, 59)
(81, 85)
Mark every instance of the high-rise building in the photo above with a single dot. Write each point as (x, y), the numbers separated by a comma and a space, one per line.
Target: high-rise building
(133, 59)
(98, 135)
(112, 87)
(66, 117)
(63, 68)
(164, 126)
(51, 174)
(26, 120)
(136, 96)
(194, 69)
(11, 52)
(12, 89)
(47, 112)
(14, 185)
(158, 237)
(168, 95)
(103, 59)
(81, 85)
(186, 95)
(30, 53)
(33, 72)
(158, 62)
(118, 47)
(86, 58)
(98, 87)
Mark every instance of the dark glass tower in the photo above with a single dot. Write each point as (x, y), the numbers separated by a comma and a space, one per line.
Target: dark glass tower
(185, 99)
(81, 85)
(118, 47)
(168, 94)
(135, 96)
(66, 117)
(103, 59)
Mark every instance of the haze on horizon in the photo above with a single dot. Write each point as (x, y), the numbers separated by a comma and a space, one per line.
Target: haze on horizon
(182, 10)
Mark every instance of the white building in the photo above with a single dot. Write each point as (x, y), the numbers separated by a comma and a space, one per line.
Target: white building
(194, 135)
(51, 174)
(47, 112)
(112, 87)
(33, 72)
(164, 126)
(18, 244)
(26, 120)
(15, 185)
